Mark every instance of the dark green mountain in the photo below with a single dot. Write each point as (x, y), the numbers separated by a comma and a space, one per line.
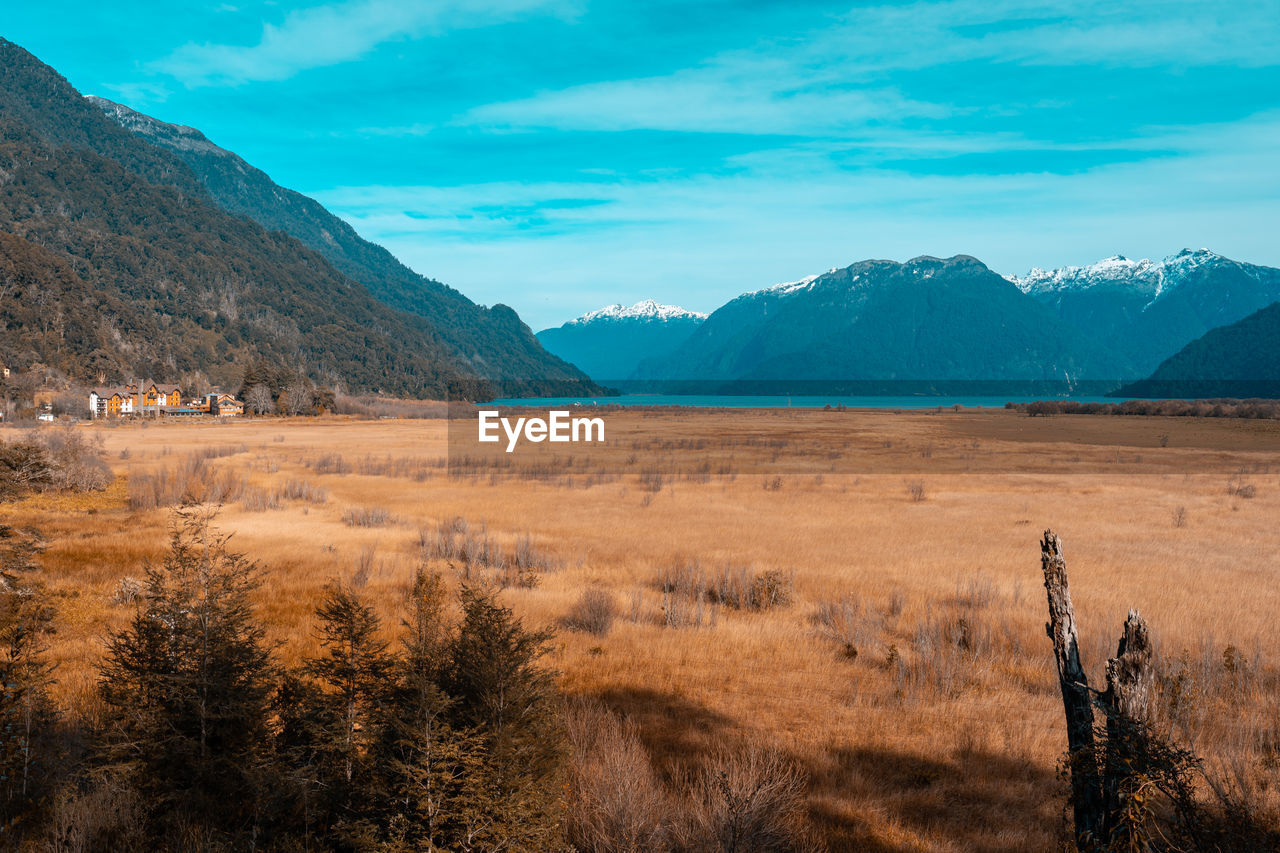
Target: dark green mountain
(1240, 360)
(118, 262)
(491, 342)
(610, 344)
(924, 321)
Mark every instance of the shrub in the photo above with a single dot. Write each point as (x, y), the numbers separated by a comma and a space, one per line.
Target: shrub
(843, 621)
(593, 613)
(127, 591)
(58, 459)
(366, 516)
(748, 800)
(742, 589)
(915, 490)
(303, 490)
(679, 611)
(193, 480)
(615, 801)
(23, 466)
(255, 499)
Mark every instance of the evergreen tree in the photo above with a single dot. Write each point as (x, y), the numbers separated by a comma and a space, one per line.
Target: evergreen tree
(354, 671)
(25, 674)
(502, 692)
(432, 777)
(187, 684)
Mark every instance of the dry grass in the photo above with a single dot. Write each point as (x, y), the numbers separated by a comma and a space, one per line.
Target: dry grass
(943, 731)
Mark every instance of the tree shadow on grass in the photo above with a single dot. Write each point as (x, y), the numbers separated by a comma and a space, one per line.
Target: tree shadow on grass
(872, 799)
(868, 799)
(679, 734)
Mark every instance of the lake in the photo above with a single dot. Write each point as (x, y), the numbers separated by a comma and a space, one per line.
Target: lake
(782, 402)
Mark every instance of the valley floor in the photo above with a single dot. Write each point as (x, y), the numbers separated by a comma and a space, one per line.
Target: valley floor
(909, 672)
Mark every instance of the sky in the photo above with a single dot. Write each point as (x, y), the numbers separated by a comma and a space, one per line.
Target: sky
(561, 155)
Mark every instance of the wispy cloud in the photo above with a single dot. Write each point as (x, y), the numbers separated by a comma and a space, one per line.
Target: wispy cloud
(845, 75)
(339, 32)
(737, 95)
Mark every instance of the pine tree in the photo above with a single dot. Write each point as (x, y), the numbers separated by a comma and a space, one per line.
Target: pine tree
(25, 674)
(431, 774)
(354, 670)
(188, 682)
(503, 694)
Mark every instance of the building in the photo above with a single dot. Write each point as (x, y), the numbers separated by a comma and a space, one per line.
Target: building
(223, 405)
(113, 402)
(152, 399)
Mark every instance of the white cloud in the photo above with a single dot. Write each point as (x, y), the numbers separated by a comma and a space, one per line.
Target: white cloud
(336, 33)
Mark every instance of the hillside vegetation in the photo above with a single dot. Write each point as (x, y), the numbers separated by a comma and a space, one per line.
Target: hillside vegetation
(117, 263)
(490, 342)
(1238, 360)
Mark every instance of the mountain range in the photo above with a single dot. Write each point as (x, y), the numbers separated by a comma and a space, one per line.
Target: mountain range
(1148, 310)
(132, 247)
(609, 344)
(929, 320)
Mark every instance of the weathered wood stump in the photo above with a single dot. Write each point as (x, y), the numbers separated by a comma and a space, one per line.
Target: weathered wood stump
(1106, 784)
(1077, 701)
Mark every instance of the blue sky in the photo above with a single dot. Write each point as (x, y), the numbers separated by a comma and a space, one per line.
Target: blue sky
(559, 155)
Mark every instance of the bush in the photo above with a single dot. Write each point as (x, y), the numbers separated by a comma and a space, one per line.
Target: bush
(593, 613)
(749, 800)
(193, 480)
(57, 459)
(23, 466)
(302, 490)
(742, 589)
(366, 516)
(255, 499)
(843, 621)
(915, 491)
(128, 591)
(615, 802)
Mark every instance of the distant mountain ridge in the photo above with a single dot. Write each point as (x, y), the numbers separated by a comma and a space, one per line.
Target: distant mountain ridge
(1151, 309)
(609, 343)
(925, 320)
(491, 342)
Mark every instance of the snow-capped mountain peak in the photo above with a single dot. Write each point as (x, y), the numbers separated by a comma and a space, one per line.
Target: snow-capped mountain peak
(1142, 276)
(645, 309)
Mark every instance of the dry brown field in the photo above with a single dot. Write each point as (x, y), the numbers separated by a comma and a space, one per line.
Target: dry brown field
(924, 709)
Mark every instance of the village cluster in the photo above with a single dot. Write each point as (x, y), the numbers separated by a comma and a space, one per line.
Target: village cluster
(153, 400)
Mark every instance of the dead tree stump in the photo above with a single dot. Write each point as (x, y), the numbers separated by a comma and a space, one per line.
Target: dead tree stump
(1077, 701)
(1127, 703)
(1107, 784)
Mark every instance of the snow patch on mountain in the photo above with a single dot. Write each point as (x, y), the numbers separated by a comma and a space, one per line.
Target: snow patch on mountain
(787, 288)
(1141, 276)
(646, 309)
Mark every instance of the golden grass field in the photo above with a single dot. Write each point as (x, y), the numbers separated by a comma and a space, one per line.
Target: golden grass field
(942, 733)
